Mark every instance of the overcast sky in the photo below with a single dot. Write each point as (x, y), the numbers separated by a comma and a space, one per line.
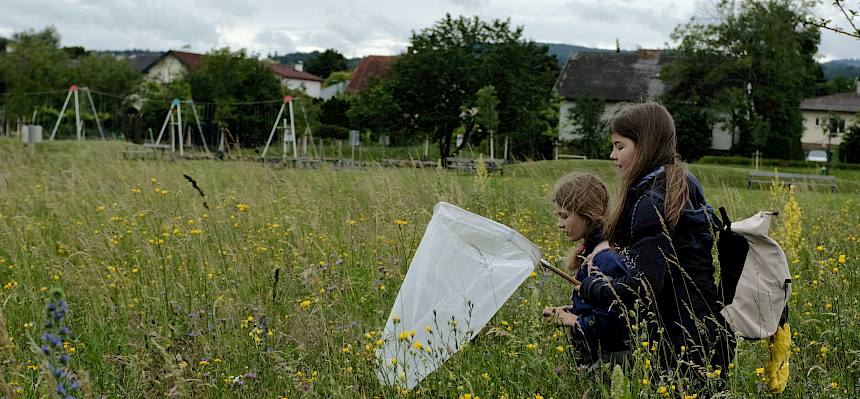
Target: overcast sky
(357, 27)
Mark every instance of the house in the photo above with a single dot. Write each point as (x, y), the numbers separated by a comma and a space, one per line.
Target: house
(828, 114)
(334, 90)
(370, 67)
(171, 65)
(617, 78)
(295, 78)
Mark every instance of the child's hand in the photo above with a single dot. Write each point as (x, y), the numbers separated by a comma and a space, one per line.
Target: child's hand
(560, 315)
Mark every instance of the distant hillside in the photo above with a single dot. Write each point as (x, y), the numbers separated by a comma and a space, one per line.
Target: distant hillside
(846, 68)
(562, 51)
(293, 58)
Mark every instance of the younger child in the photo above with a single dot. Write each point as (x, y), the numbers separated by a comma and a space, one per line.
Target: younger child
(581, 202)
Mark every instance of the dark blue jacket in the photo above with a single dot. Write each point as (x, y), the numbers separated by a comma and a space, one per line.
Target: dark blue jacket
(599, 329)
(672, 272)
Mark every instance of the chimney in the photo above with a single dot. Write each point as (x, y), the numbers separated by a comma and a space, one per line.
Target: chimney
(299, 66)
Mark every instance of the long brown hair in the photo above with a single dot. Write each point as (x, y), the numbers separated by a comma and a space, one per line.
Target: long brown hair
(652, 129)
(585, 195)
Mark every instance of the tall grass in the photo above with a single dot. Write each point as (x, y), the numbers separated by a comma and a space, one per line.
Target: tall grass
(169, 298)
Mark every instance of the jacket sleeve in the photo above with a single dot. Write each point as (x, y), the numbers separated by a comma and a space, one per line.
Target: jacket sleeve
(646, 259)
(606, 329)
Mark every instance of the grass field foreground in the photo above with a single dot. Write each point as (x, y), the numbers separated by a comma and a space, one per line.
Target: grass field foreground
(278, 282)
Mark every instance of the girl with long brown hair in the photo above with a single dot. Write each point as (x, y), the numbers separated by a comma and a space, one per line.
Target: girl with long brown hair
(664, 229)
(597, 333)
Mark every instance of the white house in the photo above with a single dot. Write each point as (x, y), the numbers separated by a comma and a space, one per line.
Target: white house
(171, 65)
(828, 114)
(617, 78)
(295, 78)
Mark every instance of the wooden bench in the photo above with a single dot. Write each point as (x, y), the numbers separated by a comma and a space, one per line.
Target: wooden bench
(566, 156)
(492, 165)
(792, 179)
(146, 151)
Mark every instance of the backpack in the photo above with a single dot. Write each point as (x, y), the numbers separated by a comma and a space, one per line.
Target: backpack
(754, 276)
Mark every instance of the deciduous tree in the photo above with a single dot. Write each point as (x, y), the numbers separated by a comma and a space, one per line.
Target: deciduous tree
(754, 66)
(329, 61)
(444, 67)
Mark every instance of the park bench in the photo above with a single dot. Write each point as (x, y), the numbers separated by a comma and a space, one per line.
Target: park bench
(792, 179)
(566, 156)
(145, 151)
(470, 165)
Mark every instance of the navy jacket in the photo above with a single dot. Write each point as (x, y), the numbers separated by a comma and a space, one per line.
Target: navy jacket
(672, 272)
(599, 329)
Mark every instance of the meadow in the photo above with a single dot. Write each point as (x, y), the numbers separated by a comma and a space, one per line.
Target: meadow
(277, 282)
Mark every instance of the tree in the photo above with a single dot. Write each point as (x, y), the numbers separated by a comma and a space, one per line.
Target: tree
(753, 68)
(375, 109)
(584, 116)
(849, 13)
(444, 67)
(337, 77)
(34, 63)
(487, 116)
(693, 127)
(227, 78)
(326, 63)
(849, 150)
(107, 74)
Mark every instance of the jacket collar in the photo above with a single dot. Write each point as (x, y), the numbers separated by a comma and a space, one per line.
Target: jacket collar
(648, 179)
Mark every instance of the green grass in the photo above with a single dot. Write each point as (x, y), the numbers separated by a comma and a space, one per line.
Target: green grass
(169, 297)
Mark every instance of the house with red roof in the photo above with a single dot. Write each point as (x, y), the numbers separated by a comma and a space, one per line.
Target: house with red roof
(173, 64)
(370, 67)
(295, 78)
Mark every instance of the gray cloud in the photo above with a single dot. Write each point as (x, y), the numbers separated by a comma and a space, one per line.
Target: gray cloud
(355, 28)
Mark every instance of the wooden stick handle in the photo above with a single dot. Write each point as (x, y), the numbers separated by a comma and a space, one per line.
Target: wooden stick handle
(545, 263)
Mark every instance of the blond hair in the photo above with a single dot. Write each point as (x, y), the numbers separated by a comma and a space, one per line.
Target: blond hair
(585, 195)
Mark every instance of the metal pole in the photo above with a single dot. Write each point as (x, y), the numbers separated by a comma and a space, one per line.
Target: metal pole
(62, 113)
(96, 114)
(179, 119)
(77, 112)
(286, 131)
(506, 148)
(163, 126)
(272, 133)
(492, 152)
(172, 134)
(293, 129)
(199, 126)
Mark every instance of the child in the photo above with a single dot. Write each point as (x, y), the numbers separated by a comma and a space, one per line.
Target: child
(664, 230)
(581, 202)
